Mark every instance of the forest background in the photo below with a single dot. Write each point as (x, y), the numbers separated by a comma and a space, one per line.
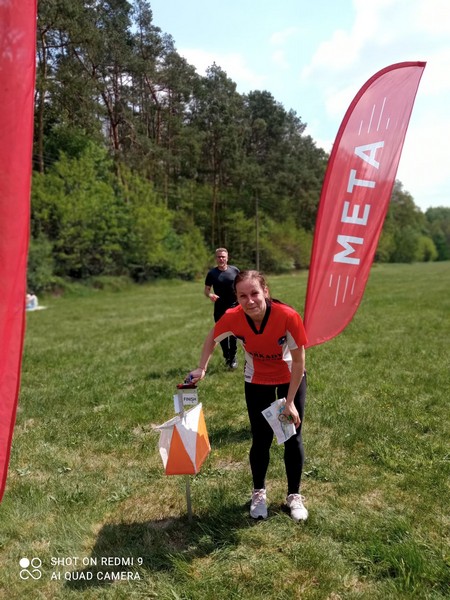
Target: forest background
(141, 166)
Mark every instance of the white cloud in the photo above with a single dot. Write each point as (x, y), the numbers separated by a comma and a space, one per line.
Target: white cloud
(279, 59)
(280, 37)
(386, 32)
(232, 63)
(435, 80)
(434, 16)
(398, 28)
(423, 166)
(337, 53)
(279, 40)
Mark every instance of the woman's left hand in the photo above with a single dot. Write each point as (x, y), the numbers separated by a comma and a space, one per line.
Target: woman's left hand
(291, 412)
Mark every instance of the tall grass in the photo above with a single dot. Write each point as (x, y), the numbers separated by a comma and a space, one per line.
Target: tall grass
(86, 483)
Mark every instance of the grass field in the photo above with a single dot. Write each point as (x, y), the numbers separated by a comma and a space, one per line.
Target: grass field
(86, 493)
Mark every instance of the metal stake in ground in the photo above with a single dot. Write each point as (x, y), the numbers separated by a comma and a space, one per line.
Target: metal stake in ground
(187, 396)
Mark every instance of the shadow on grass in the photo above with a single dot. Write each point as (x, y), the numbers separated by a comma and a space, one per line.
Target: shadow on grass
(224, 436)
(129, 550)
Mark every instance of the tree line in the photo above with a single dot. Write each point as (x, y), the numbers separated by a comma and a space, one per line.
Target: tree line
(141, 166)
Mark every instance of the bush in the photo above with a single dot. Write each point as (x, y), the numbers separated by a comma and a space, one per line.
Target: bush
(426, 250)
(40, 274)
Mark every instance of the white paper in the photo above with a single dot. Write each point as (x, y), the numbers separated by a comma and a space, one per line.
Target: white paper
(186, 397)
(282, 430)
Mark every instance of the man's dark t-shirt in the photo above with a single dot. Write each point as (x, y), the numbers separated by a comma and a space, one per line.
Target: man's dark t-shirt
(222, 284)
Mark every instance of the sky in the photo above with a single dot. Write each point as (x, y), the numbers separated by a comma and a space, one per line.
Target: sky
(313, 56)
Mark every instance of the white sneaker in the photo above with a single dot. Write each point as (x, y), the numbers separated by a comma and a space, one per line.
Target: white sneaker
(258, 506)
(298, 509)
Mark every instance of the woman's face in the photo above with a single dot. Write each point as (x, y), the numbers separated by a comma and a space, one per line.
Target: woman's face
(252, 297)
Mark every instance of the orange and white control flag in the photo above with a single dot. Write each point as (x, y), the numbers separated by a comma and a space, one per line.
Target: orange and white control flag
(184, 443)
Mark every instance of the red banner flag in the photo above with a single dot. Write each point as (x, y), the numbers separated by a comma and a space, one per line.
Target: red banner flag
(17, 76)
(355, 197)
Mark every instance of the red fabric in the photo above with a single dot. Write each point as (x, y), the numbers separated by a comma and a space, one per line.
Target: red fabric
(17, 76)
(355, 197)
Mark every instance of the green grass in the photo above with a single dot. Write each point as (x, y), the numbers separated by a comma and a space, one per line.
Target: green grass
(86, 481)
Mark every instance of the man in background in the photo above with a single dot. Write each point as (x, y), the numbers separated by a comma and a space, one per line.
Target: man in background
(219, 288)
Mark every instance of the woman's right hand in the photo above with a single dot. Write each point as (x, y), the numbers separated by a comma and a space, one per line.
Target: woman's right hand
(196, 375)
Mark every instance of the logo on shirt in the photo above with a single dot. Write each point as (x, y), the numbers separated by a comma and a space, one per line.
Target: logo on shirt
(282, 340)
(261, 356)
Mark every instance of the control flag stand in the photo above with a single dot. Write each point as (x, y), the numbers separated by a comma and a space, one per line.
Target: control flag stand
(183, 442)
(187, 395)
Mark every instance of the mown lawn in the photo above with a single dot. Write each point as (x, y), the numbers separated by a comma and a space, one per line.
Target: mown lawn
(86, 492)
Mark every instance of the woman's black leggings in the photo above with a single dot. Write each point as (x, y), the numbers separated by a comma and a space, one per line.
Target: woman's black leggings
(259, 397)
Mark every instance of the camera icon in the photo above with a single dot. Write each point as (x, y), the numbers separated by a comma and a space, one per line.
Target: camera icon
(30, 568)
